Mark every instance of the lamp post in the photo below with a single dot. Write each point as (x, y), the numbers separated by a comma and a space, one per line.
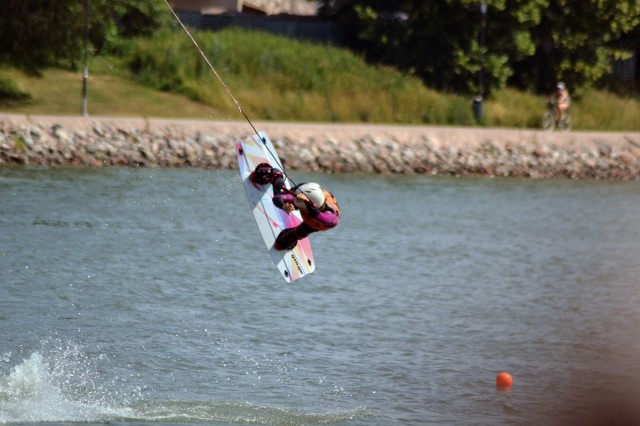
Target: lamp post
(483, 24)
(477, 102)
(85, 74)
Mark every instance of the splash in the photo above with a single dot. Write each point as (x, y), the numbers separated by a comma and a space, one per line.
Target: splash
(230, 412)
(63, 385)
(57, 389)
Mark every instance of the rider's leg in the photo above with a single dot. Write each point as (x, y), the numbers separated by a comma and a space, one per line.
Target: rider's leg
(288, 238)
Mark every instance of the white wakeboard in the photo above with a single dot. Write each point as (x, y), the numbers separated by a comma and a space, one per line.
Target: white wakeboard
(292, 264)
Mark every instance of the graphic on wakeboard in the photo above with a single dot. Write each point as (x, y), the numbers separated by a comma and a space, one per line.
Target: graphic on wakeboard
(295, 263)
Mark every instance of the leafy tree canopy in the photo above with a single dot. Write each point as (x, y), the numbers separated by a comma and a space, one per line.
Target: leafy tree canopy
(459, 44)
(39, 33)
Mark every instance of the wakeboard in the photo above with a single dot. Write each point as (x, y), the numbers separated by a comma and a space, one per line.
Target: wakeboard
(292, 264)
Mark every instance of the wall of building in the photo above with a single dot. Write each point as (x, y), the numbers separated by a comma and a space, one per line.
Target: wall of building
(268, 7)
(301, 28)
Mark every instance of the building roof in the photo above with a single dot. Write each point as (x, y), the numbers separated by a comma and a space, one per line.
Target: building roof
(267, 7)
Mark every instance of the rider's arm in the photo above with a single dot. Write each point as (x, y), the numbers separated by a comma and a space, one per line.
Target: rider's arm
(303, 202)
(280, 200)
(328, 217)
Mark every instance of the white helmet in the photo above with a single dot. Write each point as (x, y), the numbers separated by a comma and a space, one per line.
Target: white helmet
(313, 191)
(560, 85)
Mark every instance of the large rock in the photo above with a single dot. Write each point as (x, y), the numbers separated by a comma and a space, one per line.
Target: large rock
(98, 142)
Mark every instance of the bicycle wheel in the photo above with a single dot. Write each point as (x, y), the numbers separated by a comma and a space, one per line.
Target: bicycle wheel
(565, 125)
(548, 123)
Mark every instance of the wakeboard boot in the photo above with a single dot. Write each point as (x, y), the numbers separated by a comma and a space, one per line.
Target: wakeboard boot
(262, 174)
(287, 239)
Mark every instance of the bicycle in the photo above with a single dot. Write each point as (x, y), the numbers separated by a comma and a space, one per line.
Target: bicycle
(550, 120)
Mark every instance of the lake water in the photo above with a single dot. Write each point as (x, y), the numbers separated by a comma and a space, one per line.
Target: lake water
(143, 296)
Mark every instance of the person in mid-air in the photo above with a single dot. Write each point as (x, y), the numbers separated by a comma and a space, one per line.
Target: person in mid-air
(318, 207)
(562, 100)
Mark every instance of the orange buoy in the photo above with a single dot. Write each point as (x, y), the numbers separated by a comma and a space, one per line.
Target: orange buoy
(504, 379)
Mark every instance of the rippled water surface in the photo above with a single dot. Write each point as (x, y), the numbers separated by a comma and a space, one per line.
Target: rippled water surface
(137, 296)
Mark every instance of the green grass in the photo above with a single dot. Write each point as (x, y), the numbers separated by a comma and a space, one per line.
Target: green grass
(275, 78)
(601, 110)
(510, 108)
(591, 110)
(59, 92)
(11, 93)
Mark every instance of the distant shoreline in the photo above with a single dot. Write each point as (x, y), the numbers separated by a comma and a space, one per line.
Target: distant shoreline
(325, 147)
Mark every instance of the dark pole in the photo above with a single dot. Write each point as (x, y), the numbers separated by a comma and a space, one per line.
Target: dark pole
(483, 24)
(85, 75)
(477, 102)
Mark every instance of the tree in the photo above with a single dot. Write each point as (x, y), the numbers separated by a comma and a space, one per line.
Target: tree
(39, 33)
(32, 33)
(438, 40)
(576, 41)
(528, 43)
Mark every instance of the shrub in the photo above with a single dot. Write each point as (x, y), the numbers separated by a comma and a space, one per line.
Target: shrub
(276, 78)
(10, 92)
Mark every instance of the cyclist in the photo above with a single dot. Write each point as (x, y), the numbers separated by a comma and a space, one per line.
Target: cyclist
(562, 101)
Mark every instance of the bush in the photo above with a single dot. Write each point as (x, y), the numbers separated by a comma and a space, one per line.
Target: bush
(10, 92)
(277, 78)
(597, 110)
(590, 110)
(512, 108)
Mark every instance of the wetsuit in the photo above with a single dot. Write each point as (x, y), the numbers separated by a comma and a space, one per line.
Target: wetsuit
(314, 218)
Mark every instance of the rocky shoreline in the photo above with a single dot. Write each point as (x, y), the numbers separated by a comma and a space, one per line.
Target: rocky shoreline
(329, 148)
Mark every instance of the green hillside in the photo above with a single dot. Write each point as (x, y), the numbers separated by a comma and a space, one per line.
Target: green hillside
(275, 78)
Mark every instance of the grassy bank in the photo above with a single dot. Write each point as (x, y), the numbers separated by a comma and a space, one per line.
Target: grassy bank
(275, 78)
(59, 92)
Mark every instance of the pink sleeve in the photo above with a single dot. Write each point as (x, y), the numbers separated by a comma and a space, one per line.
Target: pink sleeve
(330, 219)
(281, 199)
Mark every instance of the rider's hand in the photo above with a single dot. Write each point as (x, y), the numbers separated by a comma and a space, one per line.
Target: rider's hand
(302, 201)
(288, 207)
